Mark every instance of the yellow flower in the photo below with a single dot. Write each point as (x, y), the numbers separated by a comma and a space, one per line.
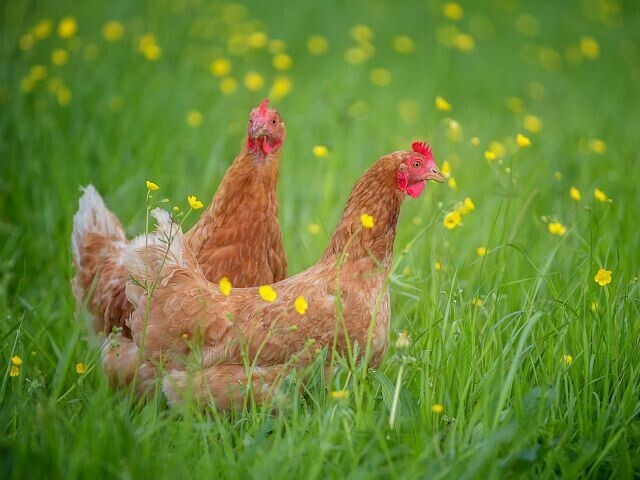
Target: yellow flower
(220, 67)
(152, 186)
(452, 183)
(194, 202)
(81, 368)
(228, 85)
(574, 193)
(253, 81)
(112, 31)
(594, 306)
(603, 277)
(490, 155)
(313, 228)
(281, 88)
(497, 148)
(224, 285)
(14, 371)
(276, 46)
(339, 394)
(532, 123)
(437, 408)
(452, 11)
(361, 33)
(381, 77)
(467, 206)
(194, 118)
(317, 45)
(452, 220)
(475, 141)
(446, 169)
(59, 56)
(567, 359)
(523, 141)
(481, 251)
(320, 151)
(257, 39)
(282, 61)
(16, 360)
(267, 293)
(557, 176)
(477, 302)
(589, 47)
(366, 220)
(404, 44)
(556, 228)
(149, 48)
(403, 340)
(37, 72)
(597, 146)
(63, 95)
(301, 305)
(42, 29)
(600, 195)
(443, 105)
(465, 42)
(437, 266)
(355, 55)
(67, 27)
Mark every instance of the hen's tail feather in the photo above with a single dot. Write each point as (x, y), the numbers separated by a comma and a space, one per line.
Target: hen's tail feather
(93, 217)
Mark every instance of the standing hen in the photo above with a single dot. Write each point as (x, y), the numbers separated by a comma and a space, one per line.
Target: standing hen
(238, 236)
(183, 310)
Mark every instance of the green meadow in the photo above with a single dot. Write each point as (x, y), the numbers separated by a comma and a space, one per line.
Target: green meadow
(516, 281)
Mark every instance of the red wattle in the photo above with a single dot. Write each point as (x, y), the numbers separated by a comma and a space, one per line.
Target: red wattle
(266, 147)
(415, 189)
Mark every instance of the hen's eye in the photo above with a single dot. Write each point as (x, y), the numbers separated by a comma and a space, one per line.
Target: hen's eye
(274, 121)
(416, 164)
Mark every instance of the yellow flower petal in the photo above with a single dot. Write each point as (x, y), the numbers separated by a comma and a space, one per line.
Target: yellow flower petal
(267, 293)
(600, 195)
(81, 368)
(574, 193)
(224, 285)
(194, 202)
(603, 277)
(14, 371)
(523, 141)
(152, 186)
(16, 360)
(317, 45)
(437, 408)
(301, 305)
(366, 220)
(320, 151)
(556, 228)
(443, 105)
(481, 251)
(452, 220)
(339, 394)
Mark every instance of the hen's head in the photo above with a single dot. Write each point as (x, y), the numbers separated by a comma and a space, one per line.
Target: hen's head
(265, 130)
(416, 168)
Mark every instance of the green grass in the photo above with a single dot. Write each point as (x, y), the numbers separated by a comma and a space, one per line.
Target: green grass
(512, 406)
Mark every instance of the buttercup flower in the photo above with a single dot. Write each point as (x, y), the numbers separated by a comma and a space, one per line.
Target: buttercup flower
(603, 277)
(320, 151)
(452, 220)
(523, 141)
(574, 193)
(437, 408)
(532, 123)
(220, 67)
(301, 305)
(281, 88)
(67, 27)
(443, 105)
(194, 118)
(567, 359)
(16, 360)
(380, 77)
(481, 251)
(317, 45)
(314, 228)
(452, 11)
(253, 81)
(437, 266)
(403, 340)
(366, 220)
(556, 228)
(152, 186)
(228, 85)
(194, 202)
(339, 394)
(282, 61)
(112, 31)
(267, 293)
(490, 155)
(59, 56)
(14, 371)
(224, 285)
(81, 368)
(600, 195)
(403, 44)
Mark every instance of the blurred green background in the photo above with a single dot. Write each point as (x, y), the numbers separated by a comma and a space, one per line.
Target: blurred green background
(535, 364)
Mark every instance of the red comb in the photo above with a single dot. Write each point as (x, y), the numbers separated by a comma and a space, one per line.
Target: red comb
(422, 148)
(263, 106)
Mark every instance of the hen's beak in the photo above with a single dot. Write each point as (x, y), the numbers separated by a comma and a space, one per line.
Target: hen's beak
(435, 175)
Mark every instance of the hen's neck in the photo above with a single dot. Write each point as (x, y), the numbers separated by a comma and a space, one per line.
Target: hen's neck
(376, 194)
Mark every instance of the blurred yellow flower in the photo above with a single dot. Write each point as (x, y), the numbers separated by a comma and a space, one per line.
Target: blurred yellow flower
(597, 146)
(14, 371)
(481, 251)
(81, 368)
(475, 141)
(67, 27)
(320, 151)
(452, 220)
(557, 176)
(267, 293)
(404, 44)
(574, 193)
(301, 305)
(527, 25)
(194, 202)
(589, 47)
(63, 96)
(556, 228)
(437, 408)
(477, 302)
(366, 220)
(523, 141)
(313, 228)
(112, 31)
(26, 42)
(257, 39)
(339, 394)
(317, 45)
(59, 56)
(497, 148)
(149, 48)
(490, 155)
(437, 266)
(409, 110)
(194, 118)
(465, 42)
(282, 61)
(380, 77)
(228, 85)
(443, 105)
(276, 46)
(281, 87)
(361, 33)
(356, 55)
(220, 67)
(446, 169)
(600, 195)
(38, 72)
(467, 206)
(532, 123)
(42, 29)
(224, 285)
(253, 81)
(152, 186)
(452, 11)
(403, 340)
(567, 359)
(603, 277)
(452, 183)
(16, 360)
